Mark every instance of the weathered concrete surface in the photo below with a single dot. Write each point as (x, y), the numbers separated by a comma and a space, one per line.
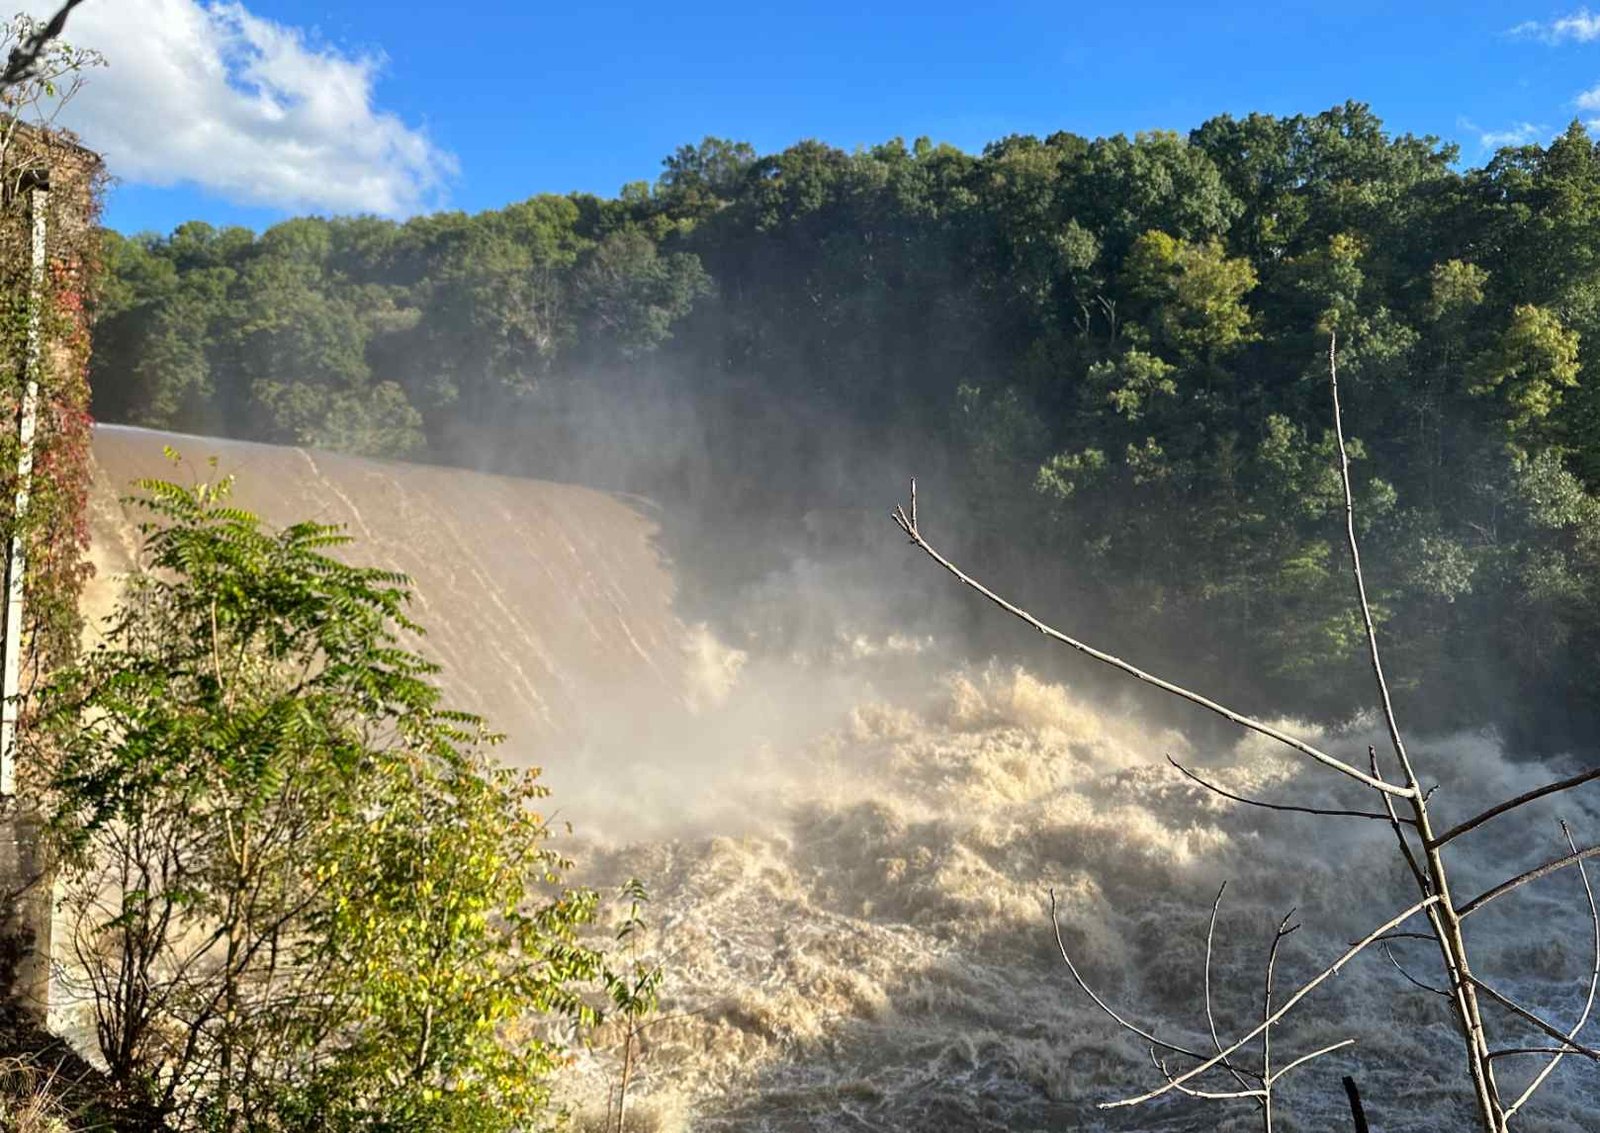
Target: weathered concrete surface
(25, 921)
(548, 604)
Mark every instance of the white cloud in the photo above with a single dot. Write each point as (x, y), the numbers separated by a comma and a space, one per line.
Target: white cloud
(210, 94)
(1519, 134)
(1582, 26)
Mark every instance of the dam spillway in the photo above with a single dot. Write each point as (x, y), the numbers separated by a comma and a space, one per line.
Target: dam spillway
(547, 604)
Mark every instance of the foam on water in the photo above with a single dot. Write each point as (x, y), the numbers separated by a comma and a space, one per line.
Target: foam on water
(882, 956)
(849, 852)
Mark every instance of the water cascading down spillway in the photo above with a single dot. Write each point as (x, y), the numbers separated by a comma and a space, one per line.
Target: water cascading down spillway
(546, 603)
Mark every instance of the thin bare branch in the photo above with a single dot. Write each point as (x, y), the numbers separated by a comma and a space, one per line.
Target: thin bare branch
(903, 521)
(1355, 568)
(1305, 1058)
(1515, 1008)
(1288, 1004)
(1412, 980)
(1284, 930)
(1102, 1004)
(1320, 811)
(1258, 1095)
(1522, 879)
(1211, 1019)
(1594, 983)
(1397, 824)
(1512, 804)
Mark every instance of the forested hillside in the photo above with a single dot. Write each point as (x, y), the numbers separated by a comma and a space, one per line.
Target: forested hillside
(1109, 355)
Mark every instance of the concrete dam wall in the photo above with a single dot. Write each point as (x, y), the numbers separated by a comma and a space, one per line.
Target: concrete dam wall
(547, 604)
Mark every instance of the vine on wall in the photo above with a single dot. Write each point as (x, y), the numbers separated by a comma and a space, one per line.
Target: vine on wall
(54, 527)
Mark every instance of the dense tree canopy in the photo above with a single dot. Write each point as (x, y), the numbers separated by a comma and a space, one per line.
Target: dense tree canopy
(1114, 344)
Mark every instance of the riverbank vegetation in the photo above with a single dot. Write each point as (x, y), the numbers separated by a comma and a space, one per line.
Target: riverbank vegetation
(1111, 342)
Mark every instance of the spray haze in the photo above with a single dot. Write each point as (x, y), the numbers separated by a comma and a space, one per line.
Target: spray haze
(848, 831)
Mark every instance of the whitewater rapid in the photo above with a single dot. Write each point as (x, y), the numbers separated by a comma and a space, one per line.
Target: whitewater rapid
(849, 852)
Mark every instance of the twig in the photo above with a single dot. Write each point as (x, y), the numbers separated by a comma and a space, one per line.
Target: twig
(1324, 813)
(1527, 797)
(1211, 1019)
(1259, 1095)
(1412, 980)
(1396, 822)
(1284, 930)
(1102, 1004)
(1288, 1005)
(1355, 570)
(903, 521)
(1594, 982)
(1305, 1058)
(1522, 879)
(1516, 1009)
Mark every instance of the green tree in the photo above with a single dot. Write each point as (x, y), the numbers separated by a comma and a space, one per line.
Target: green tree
(1529, 368)
(303, 896)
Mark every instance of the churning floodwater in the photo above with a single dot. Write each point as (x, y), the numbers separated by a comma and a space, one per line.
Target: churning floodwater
(849, 851)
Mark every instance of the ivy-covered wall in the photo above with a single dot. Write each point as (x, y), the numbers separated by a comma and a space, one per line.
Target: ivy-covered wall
(55, 529)
(54, 525)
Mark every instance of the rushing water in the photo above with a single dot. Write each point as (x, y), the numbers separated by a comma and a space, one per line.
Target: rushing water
(849, 853)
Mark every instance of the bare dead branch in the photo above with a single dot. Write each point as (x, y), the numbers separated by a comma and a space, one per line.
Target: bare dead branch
(1594, 983)
(1430, 874)
(1320, 811)
(1102, 1004)
(1288, 1005)
(1522, 879)
(1355, 568)
(1266, 1004)
(1211, 1019)
(1305, 1058)
(913, 532)
(1397, 824)
(1259, 1095)
(1515, 1008)
(1409, 978)
(1284, 929)
(1512, 804)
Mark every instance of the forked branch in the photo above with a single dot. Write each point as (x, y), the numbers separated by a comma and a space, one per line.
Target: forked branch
(1288, 1005)
(1594, 985)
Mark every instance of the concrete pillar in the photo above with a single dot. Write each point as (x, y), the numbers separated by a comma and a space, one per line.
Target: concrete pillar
(26, 913)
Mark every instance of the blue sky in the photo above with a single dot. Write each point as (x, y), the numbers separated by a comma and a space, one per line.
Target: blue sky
(394, 108)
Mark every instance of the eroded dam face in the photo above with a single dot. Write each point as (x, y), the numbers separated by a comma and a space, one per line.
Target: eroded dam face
(548, 605)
